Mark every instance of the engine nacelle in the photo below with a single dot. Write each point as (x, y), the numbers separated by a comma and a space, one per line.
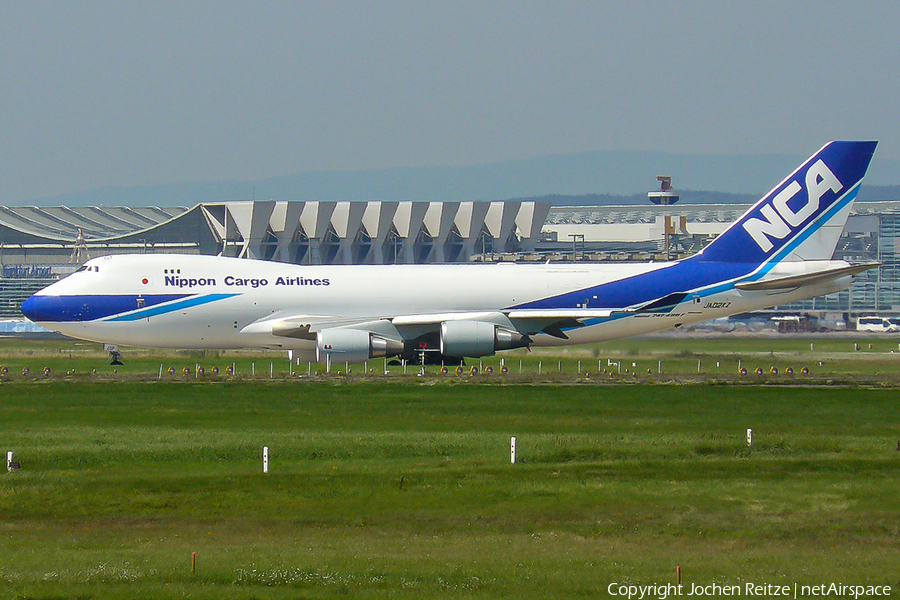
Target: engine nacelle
(353, 345)
(473, 339)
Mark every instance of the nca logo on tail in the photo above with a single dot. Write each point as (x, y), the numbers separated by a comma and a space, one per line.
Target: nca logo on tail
(780, 217)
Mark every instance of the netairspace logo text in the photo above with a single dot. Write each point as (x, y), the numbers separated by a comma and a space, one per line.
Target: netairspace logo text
(752, 590)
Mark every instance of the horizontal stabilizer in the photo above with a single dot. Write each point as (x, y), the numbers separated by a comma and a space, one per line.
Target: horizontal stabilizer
(794, 281)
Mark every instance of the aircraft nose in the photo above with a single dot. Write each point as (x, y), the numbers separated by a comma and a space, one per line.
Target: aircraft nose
(30, 308)
(41, 308)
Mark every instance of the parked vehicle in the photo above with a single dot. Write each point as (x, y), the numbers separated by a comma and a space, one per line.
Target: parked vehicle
(882, 324)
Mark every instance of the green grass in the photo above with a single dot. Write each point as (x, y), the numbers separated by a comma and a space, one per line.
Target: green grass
(403, 489)
(829, 358)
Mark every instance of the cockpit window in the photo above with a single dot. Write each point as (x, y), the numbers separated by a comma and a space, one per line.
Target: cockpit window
(81, 268)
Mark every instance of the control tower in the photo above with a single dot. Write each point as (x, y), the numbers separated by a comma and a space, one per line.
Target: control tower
(666, 194)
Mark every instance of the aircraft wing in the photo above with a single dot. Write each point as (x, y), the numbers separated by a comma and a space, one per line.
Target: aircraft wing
(528, 321)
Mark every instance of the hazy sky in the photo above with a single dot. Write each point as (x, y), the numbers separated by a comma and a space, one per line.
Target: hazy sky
(96, 94)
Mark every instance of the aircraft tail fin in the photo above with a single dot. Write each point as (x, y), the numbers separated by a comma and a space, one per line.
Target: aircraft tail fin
(803, 216)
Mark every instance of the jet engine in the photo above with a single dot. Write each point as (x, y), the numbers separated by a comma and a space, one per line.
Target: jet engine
(354, 345)
(476, 338)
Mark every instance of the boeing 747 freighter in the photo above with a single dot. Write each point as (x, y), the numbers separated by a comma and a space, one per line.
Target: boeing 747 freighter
(778, 252)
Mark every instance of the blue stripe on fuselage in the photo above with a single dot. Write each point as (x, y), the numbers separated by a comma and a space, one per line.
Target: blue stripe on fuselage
(117, 307)
(639, 289)
(46, 308)
(181, 305)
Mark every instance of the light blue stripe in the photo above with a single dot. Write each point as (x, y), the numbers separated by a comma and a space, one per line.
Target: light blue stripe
(790, 247)
(167, 308)
(823, 218)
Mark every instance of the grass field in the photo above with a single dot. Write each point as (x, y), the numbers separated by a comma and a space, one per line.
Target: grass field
(850, 359)
(403, 488)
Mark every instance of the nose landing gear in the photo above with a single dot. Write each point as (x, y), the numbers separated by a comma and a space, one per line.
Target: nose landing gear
(115, 357)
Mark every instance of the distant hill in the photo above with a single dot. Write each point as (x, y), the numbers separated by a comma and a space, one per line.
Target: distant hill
(687, 197)
(872, 193)
(624, 175)
(868, 193)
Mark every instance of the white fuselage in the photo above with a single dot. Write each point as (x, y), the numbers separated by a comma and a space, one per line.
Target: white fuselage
(225, 297)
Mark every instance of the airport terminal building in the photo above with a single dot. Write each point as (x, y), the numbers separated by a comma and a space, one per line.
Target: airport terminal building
(40, 245)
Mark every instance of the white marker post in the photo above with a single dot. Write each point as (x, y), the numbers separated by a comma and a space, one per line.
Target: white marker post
(512, 450)
(9, 459)
(265, 459)
(749, 437)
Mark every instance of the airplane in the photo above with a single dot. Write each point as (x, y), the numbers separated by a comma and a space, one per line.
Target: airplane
(777, 252)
